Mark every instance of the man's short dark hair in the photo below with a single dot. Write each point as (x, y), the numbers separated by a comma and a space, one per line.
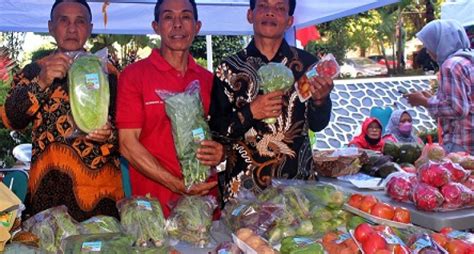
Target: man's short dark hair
(291, 11)
(159, 2)
(83, 2)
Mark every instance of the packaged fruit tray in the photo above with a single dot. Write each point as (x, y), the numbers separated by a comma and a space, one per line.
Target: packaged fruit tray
(374, 219)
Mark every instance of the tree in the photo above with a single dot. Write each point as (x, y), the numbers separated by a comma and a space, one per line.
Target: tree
(123, 49)
(14, 42)
(336, 39)
(222, 46)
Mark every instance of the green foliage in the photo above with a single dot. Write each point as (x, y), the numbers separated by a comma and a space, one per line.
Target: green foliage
(337, 39)
(40, 53)
(201, 61)
(123, 49)
(222, 47)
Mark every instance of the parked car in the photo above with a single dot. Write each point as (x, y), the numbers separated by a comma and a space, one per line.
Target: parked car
(362, 67)
(392, 63)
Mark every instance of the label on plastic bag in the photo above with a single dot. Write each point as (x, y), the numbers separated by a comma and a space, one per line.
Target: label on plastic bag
(343, 237)
(91, 246)
(198, 135)
(144, 205)
(92, 81)
(237, 210)
(303, 241)
(6, 219)
(391, 239)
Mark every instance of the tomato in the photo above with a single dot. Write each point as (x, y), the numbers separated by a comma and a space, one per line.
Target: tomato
(439, 238)
(446, 230)
(355, 200)
(456, 246)
(383, 210)
(402, 215)
(400, 249)
(367, 203)
(383, 252)
(362, 232)
(374, 243)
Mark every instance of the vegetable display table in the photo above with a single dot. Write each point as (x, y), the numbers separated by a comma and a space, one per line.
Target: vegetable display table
(460, 219)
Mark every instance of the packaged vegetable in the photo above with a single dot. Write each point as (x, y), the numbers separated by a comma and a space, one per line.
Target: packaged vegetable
(326, 67)
(100, 224)
(300, 245)
(17, 248)
(191, 219)
(97, 243)
(273, 77)
(142, 219)
(9, 207)
(89, 91)
(189, 128)
(52, 226)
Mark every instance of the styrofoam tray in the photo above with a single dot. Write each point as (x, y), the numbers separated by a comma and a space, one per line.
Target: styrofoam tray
(374, 219)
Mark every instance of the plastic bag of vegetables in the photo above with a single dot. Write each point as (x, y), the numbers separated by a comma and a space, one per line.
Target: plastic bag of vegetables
(51, 226)
(16, 248)
(97, 243)
(89, 93)
(191, 219)
(100, 224)
(142, 218)
(273, 77)
(189, 128)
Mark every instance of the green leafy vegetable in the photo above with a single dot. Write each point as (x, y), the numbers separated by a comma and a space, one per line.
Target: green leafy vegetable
(88, 93)
(142, 218)
(273, 77)
(191, 219)
(100, 224)
(189, 129)
(98, 243)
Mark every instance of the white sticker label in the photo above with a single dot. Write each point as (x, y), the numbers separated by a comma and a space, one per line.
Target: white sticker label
(91, 246)
(198, 135)
(92, 81)
(144, 205)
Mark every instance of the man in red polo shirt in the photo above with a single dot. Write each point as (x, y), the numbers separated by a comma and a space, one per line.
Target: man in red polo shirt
(145, 135)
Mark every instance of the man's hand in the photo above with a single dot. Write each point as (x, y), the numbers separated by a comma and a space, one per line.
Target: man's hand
(320, 89)
(210, 153)
(53, 66)
(201, 188)
(102, 134)
(417, 99)
(267, 106)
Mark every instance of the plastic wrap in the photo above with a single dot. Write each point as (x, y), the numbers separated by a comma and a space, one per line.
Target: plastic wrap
(189, 128)
(97, 243)
(89, 93)
(17, 248)
(259, 217)
(191, 219)
(51, 226)
(273, 77)
(100, 224)
(399, 186)
(424, 244)
(142, 218)
(327, 66)
(427, 197)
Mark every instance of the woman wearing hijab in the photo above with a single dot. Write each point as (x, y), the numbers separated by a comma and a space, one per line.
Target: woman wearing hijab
(370, 136)
(453, 104)
(400, 129)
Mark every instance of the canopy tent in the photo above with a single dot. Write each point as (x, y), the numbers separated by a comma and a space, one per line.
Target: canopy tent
(460, 10)
(219, 17)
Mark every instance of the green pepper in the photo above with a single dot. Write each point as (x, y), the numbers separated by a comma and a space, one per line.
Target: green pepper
(300, 245)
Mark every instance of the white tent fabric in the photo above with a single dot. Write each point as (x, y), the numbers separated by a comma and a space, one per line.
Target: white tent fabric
(219, 17)
(460, 10)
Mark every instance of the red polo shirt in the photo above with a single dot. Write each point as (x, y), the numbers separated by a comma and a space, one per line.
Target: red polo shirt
(139, 107)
